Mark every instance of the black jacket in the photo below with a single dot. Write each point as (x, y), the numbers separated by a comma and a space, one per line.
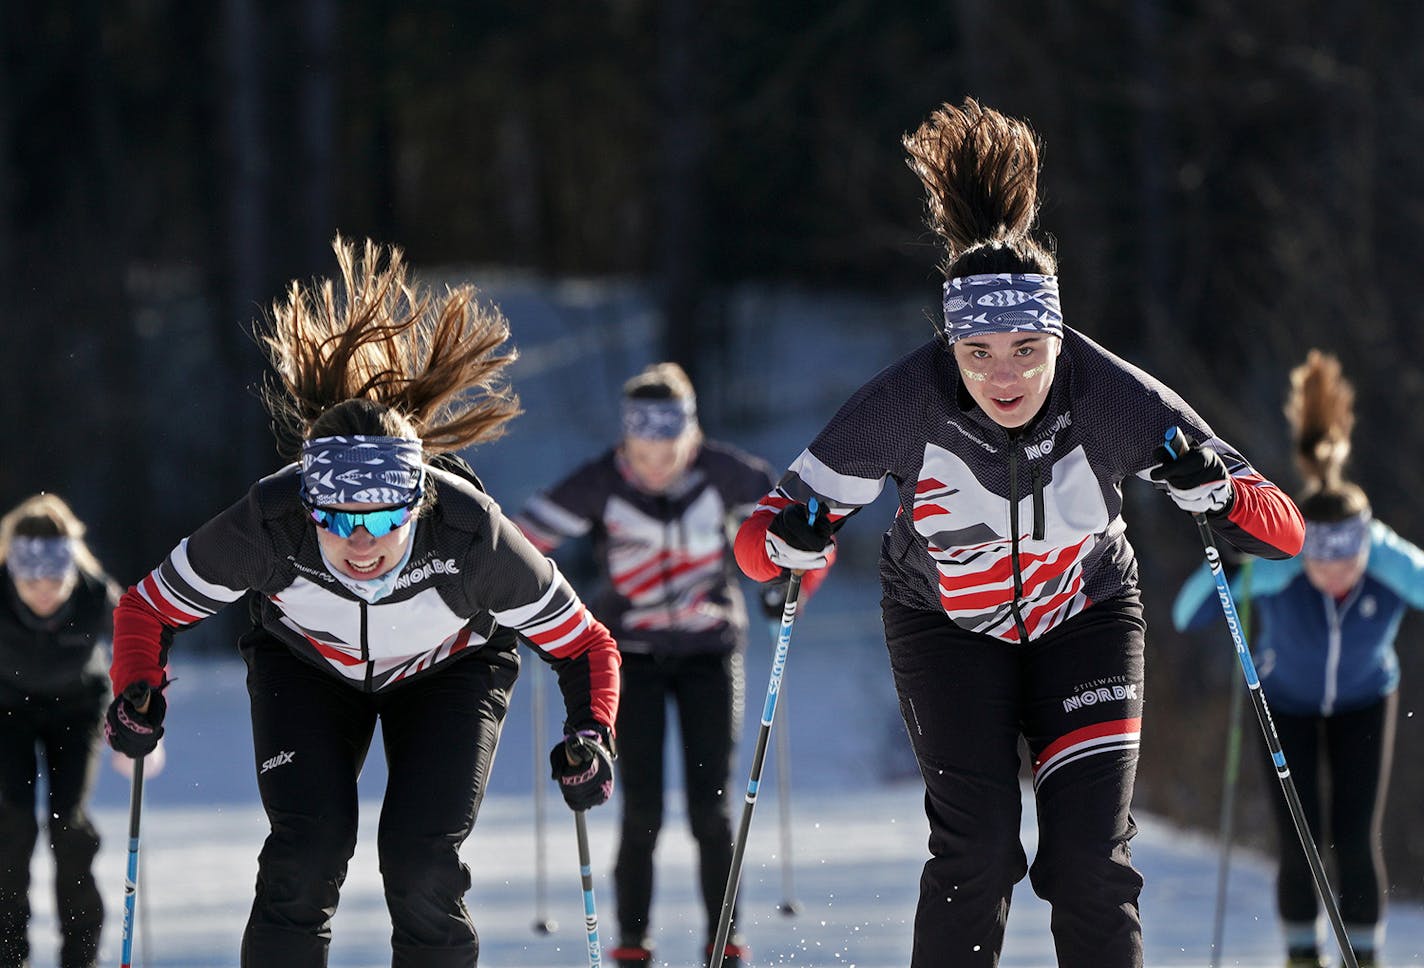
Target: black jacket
(62, 659)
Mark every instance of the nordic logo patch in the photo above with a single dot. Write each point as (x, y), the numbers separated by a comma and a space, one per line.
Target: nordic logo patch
(1091, 697)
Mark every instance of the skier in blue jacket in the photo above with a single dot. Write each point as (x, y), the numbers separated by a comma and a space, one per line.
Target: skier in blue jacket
(1325, 652)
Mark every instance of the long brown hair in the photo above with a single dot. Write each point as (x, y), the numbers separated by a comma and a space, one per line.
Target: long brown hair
(979, 170)
(46, 515)
(1321, 411)
(385, 356)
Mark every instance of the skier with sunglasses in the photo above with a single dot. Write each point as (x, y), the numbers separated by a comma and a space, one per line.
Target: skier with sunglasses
(386, 585)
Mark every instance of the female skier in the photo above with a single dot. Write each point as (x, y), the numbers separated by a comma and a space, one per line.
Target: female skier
(387, 586)
(56, 620)
(1328, 621)
(1011, 606)
(661, 507)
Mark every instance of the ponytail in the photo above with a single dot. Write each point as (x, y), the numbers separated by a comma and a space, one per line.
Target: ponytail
(979, 170)
(1321, 411)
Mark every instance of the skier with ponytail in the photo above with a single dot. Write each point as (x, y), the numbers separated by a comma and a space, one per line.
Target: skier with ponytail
(1010, 594)
(387, 586)
(1327, 622)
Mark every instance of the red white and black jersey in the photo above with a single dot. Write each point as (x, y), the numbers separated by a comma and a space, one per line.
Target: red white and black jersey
(472, 582)
(671, 581)
(1010, 533)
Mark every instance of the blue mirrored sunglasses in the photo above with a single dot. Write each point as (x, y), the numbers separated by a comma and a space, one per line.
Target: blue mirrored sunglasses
(378, 523)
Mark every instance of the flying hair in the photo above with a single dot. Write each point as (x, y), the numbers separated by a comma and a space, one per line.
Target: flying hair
(1321, 411)
(387, 344)
(979, 169)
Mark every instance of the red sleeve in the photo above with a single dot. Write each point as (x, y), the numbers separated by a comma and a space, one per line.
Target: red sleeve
(138, 643)
(1263, 520)
(750, 547)
(597, 648)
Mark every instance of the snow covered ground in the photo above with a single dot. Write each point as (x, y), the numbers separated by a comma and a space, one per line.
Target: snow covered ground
(858, 842)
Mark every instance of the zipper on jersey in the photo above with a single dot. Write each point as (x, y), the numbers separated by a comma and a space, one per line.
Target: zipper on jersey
(1039, 524)
(1014, 540)
(1335, 619)
(366, 648)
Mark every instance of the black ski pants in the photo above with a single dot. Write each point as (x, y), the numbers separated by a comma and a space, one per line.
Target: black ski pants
(1075, 696)
(311, 733)
(708, 691)
(68, 738)
(1358, 749)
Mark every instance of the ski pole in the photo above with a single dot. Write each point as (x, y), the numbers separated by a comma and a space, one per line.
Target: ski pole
(788, 905)
(1230, 772)
(543, 924)
(590, 909)
(768, 714)
(137, 694)
(1174, 445)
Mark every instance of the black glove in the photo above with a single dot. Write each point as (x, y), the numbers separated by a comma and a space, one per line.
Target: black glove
(588, 780)
(1196, 477)
(773, 597)
(129, 731)
(794, 541)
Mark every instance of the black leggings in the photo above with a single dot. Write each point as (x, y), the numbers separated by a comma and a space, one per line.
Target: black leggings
(1075, 695)
(69, 739)
(311, 734)
(1358, 747)
(708, 691)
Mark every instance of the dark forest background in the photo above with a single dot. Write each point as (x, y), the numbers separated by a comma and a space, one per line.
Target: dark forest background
(1228, 184)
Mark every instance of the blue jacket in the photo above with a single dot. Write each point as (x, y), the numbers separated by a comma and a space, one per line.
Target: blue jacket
(1316, 656)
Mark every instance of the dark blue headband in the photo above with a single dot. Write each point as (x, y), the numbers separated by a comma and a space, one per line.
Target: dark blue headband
(1001, 303)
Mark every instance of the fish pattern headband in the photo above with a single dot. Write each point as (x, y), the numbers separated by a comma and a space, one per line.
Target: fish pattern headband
(361, 470)
(1001, 302)
(658, 419)
(1337, 540)
(33, 559)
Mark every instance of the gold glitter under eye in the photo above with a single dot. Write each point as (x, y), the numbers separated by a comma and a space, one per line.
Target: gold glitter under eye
(1034, 371)
(975, 377)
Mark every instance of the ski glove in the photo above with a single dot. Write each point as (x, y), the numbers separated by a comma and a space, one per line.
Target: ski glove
(1197, 479)
(587, 781)
(129, 731)
(794, 541)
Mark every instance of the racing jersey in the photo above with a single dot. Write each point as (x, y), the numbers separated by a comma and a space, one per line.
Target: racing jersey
(471, 582)
(667, 558)
(1010, 532)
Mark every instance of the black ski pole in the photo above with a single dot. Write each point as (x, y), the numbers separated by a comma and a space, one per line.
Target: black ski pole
(1175, 446)
(768, 715)
(543, 924)
(590, 909)
(136, 694)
